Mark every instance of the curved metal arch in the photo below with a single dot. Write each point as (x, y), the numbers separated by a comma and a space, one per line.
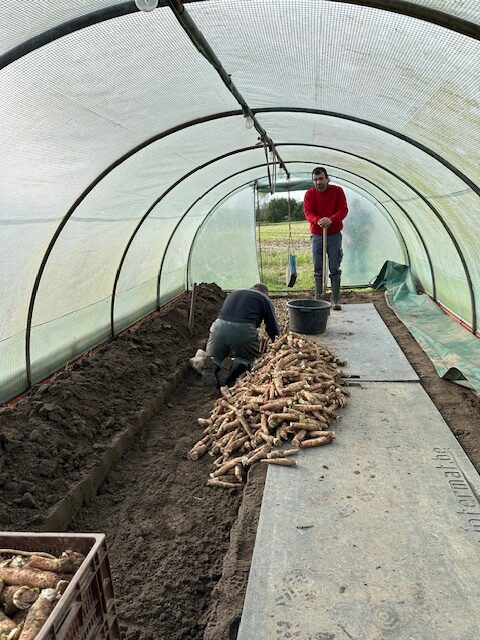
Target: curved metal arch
(401, 7)
(427, 14)
(178, 182)
(84, 194)
(230, 153)
(126, 8)
(130, 7)
(429, 205)
(347, 171)
(80, 199)
(200, 226)
(150, 209)
(184, 215)
(343, 116)
(224, 197)
(434, 293)
(64, 29)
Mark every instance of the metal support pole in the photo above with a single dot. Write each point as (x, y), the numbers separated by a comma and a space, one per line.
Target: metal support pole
(191, 317)
(202, 45)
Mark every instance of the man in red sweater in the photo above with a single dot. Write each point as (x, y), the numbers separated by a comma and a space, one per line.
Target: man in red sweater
(325, 206)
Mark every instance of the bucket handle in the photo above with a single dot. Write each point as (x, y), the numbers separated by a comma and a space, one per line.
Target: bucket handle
(308, 309)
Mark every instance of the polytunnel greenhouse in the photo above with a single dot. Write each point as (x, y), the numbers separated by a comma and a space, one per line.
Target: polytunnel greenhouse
(140, 141)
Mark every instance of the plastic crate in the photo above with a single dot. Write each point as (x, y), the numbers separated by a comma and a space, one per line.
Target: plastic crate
(86, 611)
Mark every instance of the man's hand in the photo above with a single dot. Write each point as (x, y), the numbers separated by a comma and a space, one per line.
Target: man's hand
(324, 223)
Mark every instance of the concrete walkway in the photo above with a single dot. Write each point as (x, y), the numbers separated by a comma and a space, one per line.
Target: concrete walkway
(377, 536)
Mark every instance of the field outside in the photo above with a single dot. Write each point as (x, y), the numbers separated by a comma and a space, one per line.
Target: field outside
(272, 241)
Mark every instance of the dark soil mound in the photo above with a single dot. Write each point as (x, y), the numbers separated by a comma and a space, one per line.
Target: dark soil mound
(54, 435)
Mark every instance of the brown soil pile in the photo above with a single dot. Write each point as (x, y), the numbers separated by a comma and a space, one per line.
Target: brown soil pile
(51, 438)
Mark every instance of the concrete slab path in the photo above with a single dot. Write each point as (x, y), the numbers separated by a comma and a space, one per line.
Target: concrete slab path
(359, 334)
(375, 537)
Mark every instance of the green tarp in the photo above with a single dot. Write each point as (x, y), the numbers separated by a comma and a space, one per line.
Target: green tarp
(453, 350)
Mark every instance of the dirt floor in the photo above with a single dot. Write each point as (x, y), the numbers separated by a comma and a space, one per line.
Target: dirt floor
(180, 551)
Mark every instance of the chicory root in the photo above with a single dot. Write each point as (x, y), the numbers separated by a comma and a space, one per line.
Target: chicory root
(75, 558)
(257, 454)
(213, 482)
(226, 478)
(198, 452)
(223, 469)
(297, 439)
(6, 624)
(245, 426)
(307, 425)
(292, 392)
(238, 472)
(14, 598)
(281, 453)
(38, 614)
(28, 577)
(17, 552)
(282, 462)
(315, 442)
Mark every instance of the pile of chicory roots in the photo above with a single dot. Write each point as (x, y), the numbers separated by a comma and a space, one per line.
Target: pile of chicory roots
(290, 396)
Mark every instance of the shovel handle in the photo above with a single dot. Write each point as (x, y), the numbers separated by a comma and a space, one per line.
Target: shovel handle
(324, 261)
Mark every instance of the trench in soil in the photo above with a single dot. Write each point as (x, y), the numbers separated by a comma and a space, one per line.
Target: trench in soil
(167, 532)
(180, 551)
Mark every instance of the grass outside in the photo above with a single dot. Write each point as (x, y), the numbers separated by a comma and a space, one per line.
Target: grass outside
(272, 240)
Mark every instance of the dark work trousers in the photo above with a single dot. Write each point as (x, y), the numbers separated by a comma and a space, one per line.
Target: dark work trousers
(238, 340)
(335, 254)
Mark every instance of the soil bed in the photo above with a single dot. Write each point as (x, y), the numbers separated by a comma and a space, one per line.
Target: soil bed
(54, 435)
(180, 551)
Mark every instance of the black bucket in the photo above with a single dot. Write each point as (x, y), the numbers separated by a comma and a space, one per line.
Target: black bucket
(308, 316)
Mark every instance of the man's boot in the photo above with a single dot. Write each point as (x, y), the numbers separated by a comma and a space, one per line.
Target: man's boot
(223, 374)
(318, 289)
(335, 299)
(209, 378)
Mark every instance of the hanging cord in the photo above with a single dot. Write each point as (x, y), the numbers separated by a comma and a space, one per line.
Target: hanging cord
(274, 171)
(257, 209)
(267, 162)
(290, 239)
(291, 262)
(272, 174)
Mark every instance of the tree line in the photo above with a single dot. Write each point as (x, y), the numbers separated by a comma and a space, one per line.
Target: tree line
(277, 210)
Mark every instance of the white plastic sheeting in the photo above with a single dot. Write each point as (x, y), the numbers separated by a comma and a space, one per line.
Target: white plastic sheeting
(414, 77)
(21, 20)
(97, 99)
(226, 228)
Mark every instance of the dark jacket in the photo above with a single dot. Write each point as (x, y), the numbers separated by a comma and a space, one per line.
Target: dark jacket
(250, 305)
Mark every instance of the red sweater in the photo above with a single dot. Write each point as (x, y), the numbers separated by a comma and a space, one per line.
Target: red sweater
(327, 204)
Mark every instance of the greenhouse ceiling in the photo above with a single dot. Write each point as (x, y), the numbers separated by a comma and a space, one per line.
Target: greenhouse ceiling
(123, 129)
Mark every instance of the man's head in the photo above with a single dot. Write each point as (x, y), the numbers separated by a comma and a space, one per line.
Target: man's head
(261, 287)
(320, 178)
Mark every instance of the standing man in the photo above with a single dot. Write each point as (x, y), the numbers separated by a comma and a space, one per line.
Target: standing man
(325, 207)
(233, 343)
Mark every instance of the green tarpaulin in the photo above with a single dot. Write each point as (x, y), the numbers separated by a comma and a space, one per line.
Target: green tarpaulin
(453, 350)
